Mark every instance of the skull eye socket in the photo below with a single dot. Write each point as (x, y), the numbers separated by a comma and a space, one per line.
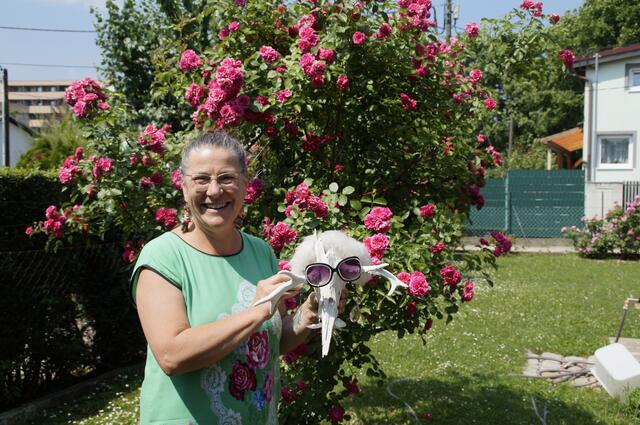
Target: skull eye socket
(318, 274)
(349, 269)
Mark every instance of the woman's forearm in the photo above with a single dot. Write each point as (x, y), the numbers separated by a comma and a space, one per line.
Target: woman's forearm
(200, 346)
(294, 332)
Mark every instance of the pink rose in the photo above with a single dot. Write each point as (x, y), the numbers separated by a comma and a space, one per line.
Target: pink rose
(242, 379)
(283, 95)
(258, 350)
(377, 245)
(437, 248)
(269, 54)
(254, 190)
(567, 57)
(352, 386)
(189, 61)
(378, 219)
(472, 29)
(336, 412)
(451, 275)
(490, 104)
(408, 104)
(427, 211)
(327, 55)
(418, 285)
(284, 265)
(554, 18)
(475, 75)
(467, 292)
(359, 38)
(342, 82)
(176, 179)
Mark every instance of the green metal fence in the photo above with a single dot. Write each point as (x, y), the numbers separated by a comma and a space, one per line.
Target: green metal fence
(530, 204)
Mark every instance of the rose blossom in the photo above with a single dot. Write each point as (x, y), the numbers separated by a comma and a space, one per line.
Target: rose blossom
(242, 378)
(189, 61)
(283, 95)
(554, 18)
(359, 38)
(475, 75)
(342, 82)
(352, 386)
(427, 211)
(490, 104)
(567, 57)
(254, 190)
(451, 275)
(378, 219)
(472, 29)
(437, 248)
(327, 55)
(418, 285)
(412, 307)
(467, 292)
(408, 104)
(377, 245)
(336, 412)
(284, 265)
(269, 54)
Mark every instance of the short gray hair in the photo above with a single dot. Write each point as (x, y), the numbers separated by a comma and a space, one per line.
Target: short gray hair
(216, 139)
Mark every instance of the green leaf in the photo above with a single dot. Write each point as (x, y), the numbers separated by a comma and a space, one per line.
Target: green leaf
(348, 190)
(356, 205)
(342, 200)
(333, 187)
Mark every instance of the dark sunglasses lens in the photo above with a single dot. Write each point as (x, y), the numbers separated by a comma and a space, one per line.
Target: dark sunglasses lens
(318, 275)
(350, 269)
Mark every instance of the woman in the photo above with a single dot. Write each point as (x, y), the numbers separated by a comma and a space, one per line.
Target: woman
(212, 357)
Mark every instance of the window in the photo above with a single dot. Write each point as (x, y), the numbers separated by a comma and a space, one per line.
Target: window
(615, 151)
(634, 79)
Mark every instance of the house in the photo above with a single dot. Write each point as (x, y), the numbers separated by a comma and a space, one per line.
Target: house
(610, 154)
(20, 139)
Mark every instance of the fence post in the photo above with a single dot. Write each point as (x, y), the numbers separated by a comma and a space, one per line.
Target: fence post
(507, 205)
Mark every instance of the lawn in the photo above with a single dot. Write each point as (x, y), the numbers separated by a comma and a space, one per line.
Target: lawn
(469, 370)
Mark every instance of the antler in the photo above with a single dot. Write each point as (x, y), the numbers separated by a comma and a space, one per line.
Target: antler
(274, 296)
(380, 270)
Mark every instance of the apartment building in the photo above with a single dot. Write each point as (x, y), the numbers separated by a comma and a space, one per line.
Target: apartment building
(35, 102)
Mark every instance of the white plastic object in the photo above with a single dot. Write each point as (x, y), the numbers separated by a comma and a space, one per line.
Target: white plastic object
(617, 370)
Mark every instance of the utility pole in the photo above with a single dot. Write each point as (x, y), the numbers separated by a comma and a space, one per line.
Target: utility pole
(448, 11)
(5, 118)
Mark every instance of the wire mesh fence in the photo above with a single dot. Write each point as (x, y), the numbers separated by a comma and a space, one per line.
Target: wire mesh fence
(530, 204)
(64, 314)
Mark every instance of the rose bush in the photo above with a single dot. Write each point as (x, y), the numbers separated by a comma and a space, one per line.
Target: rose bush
(618, 232)
(356, 117)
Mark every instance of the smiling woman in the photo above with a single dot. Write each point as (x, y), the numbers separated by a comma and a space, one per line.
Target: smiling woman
(212, 356)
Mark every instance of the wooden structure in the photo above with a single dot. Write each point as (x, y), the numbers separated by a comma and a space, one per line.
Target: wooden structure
(568, 149)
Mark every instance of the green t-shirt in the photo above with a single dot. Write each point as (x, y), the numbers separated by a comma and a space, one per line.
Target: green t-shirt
(243, 387)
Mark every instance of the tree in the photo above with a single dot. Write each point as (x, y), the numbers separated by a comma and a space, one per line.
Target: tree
(602, 24)
(356, 117)
(58, 140)
(519, 58)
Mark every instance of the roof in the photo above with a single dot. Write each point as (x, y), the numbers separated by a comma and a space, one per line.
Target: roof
(39, 82)
(609, 55)
(568, 141)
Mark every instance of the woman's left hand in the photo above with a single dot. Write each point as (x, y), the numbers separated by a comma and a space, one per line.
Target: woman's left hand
(307, 313)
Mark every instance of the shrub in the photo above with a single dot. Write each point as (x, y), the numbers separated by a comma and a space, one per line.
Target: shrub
(356, 117)
(618, 232)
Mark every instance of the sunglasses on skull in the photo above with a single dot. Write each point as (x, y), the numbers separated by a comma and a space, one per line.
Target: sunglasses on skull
(320, 274)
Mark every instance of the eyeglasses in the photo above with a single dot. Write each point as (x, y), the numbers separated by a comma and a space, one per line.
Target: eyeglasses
(320, 274)
(225, 181)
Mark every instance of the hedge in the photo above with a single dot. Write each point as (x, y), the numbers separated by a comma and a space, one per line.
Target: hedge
(65, 315)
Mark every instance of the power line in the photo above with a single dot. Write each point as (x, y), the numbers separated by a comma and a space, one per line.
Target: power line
(44, 29)
(48, 65)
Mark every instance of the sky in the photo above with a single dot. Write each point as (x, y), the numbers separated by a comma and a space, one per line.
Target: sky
(80, 50)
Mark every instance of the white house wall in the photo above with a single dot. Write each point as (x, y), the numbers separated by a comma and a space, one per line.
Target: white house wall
(618, 112)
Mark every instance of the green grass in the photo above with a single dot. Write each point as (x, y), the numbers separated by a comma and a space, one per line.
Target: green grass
(469, 370)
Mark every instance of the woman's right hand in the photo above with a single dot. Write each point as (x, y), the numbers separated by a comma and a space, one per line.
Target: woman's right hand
(266, 287)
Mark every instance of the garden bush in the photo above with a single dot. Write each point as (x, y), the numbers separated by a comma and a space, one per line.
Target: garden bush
(356, 117)
(62, 313)
(617, 233)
